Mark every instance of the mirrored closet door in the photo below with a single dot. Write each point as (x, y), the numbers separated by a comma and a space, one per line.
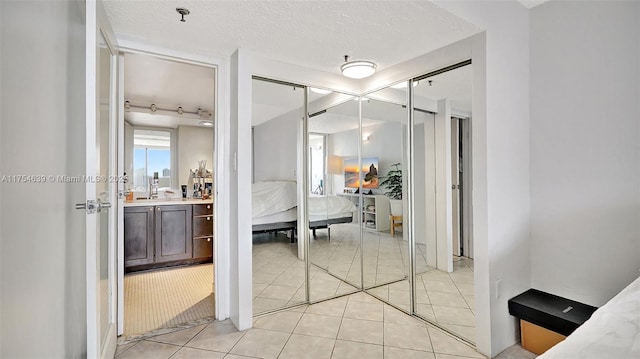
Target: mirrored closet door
(279, 268)
(384, 179)
(444, 283)
(386, 258)
(334, 221)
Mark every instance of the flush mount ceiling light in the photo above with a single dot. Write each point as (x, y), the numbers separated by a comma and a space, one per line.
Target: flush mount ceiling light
(357, 69)
(319, 91)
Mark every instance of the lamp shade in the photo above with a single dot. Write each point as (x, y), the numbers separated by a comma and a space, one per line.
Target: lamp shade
(335, 165)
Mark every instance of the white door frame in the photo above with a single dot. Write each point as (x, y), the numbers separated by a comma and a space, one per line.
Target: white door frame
(221, 164)
(97, 25)
(121, 189)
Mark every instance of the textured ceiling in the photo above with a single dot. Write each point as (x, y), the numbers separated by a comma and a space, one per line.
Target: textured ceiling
(314, 34)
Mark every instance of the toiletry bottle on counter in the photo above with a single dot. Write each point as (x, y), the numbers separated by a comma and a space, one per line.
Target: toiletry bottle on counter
(190, 185)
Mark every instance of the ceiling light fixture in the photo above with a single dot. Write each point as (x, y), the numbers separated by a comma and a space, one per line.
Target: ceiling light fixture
(319, 91)
(182, 11)
(357, 69)
(154, 109)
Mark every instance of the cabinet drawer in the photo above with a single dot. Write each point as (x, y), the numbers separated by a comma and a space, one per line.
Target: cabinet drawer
(203, 226)
(203, 247)
(202, 209)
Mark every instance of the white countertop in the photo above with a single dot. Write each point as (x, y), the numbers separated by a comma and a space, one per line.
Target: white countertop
(166, 202)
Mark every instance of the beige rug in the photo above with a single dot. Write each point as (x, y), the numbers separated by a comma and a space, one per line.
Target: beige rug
(167, 298)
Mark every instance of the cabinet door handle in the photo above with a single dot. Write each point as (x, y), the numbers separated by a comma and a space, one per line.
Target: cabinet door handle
(208, 218)
(208, 206)
(208, 239)
(151, 209)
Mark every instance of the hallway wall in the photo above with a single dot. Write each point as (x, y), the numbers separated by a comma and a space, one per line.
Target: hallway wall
(585, 160)
(42, 252)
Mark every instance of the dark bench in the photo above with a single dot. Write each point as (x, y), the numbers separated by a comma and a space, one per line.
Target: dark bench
(555, 314)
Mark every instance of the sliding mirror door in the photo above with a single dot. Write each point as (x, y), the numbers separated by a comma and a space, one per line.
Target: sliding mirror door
(334, 221)
(278, 258)
(386, 264)
(443, 250)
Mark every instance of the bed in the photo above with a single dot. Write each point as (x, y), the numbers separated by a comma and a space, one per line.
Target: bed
(274, 208)
(613, 331)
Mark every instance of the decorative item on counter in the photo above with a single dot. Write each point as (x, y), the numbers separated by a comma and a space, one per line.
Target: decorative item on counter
(184, 191)
(168, 194)
(202, 168)
(128, 192)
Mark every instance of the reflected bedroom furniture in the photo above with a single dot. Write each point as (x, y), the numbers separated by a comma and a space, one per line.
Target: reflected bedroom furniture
(275, 209)
(395, 222)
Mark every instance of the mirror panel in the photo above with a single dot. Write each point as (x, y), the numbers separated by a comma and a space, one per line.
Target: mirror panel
(444, 264)
(334, 222)
(279, 279)
(385, 241)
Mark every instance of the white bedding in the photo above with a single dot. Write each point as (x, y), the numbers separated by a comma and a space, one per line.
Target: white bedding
(330, 205)
(276, 201)
(271, 197)
(289, 215)
(613, 331)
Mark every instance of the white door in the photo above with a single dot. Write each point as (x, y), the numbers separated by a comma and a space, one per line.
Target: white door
(100, 184)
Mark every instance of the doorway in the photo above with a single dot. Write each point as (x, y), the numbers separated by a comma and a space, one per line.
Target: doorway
(166, 265)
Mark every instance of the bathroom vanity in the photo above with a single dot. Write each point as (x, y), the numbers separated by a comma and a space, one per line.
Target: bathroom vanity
(167, 233)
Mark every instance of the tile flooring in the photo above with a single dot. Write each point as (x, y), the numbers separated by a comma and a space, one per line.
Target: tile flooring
(357, 325)
(444, 298)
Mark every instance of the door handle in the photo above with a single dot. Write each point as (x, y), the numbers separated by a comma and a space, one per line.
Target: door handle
(103, 205)
(92, 206)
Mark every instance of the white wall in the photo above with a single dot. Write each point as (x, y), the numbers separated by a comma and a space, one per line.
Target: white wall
(500, 143)
(585, 162)
(43, 243)
(240, 239)
(444, 222)
(194, 144)
(275, 148)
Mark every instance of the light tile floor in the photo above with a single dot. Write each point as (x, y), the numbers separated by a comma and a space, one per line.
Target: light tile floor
(443, 298)
(357, 325)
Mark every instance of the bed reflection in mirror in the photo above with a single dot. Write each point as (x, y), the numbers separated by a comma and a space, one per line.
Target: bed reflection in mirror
(278, 258)
(334, 221)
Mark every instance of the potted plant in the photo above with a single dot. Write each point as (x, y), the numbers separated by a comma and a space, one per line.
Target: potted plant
(392, 183)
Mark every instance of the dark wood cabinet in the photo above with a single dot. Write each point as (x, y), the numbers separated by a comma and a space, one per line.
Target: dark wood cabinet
(167, 235)
(173, 233)
(202, 209)
(138, 236)
(203, 226)
(203, 247)
(203, 231)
